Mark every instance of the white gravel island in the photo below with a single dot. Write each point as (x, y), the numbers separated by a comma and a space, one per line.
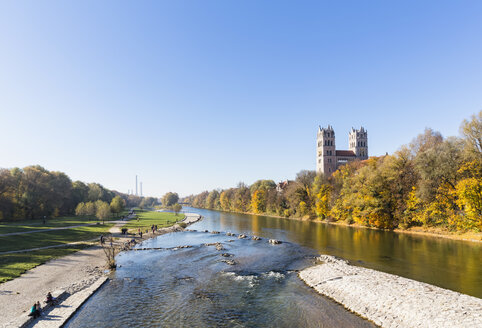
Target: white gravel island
(389, 300)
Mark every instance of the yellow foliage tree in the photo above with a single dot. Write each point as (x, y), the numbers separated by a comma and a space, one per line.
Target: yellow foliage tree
(224, 201)
(469, 199)
(258, 201)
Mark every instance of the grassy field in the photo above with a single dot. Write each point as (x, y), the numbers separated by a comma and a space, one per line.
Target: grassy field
(13, 265)
(54, 237)
(29, 225)
(148, 218)
(24, 226)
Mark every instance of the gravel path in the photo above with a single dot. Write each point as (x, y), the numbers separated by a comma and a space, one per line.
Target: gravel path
(392, 301)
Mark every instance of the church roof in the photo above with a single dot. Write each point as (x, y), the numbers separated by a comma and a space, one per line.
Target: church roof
(345, 153)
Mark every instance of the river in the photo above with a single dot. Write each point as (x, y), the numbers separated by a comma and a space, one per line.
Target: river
(450, 264)
(193, 287)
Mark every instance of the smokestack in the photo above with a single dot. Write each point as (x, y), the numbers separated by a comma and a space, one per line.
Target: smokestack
(136, 185)
(141, 189)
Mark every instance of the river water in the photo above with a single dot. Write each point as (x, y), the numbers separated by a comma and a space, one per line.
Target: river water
(193, 287)
(450, 264)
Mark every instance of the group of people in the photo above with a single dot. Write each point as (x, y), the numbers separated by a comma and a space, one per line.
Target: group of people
(36, 309)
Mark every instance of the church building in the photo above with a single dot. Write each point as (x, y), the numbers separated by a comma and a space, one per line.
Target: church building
(328, 159)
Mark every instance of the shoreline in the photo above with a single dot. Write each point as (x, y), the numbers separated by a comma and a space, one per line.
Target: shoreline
(78, 275)
(389, 300)
(475, 237)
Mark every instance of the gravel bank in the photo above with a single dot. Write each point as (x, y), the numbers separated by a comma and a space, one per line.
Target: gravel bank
(389, 300)
(71, 273)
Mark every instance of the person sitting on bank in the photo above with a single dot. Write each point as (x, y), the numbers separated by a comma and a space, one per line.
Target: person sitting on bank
(34, 311)
(50, 299)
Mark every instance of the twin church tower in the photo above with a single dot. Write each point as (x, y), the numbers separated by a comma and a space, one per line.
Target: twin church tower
(328, 159)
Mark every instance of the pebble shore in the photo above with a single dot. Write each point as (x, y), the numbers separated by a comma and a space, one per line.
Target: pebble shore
(389, 300)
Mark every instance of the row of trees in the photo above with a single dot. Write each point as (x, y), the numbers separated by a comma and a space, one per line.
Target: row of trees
(34, 192)
(102, 210)
(433, 181)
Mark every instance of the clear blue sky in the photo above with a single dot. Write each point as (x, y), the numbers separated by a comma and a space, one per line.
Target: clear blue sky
(196, 95)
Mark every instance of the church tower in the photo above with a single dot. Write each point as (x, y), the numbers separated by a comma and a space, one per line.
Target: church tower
(358, 142)
(325, 151)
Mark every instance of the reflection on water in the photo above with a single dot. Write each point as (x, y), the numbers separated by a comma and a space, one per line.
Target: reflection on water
(192, 287)
(450, 264)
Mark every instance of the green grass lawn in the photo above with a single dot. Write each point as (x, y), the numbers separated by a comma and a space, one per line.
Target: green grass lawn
(49, 238)
(29, 225)
(148, 218)
(13, 265)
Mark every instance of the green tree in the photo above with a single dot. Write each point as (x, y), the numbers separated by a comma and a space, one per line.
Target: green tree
(170, 199)
(80, 210)
(212, 201)
(117, 205)
(90, 208)
(177, 208)
(102, 210)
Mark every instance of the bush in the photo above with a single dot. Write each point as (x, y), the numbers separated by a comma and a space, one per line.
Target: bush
(183, 225)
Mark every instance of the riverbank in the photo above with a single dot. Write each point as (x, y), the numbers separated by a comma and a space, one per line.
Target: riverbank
(389, 300)
(425, 231)
(73, 274)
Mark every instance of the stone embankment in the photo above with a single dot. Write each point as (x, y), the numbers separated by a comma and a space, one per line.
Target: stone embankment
(389, 300)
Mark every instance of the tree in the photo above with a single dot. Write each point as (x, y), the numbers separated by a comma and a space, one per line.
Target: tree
(242, 198)
(117, 205)
(90, 208)
(225, 199)
(321, 193)
(177, 208)
(472, 131)
(80, 210)
(258, 201)
(170, 199)
(469, 192)
(102, 210)
(212, 201)
(262, 185)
